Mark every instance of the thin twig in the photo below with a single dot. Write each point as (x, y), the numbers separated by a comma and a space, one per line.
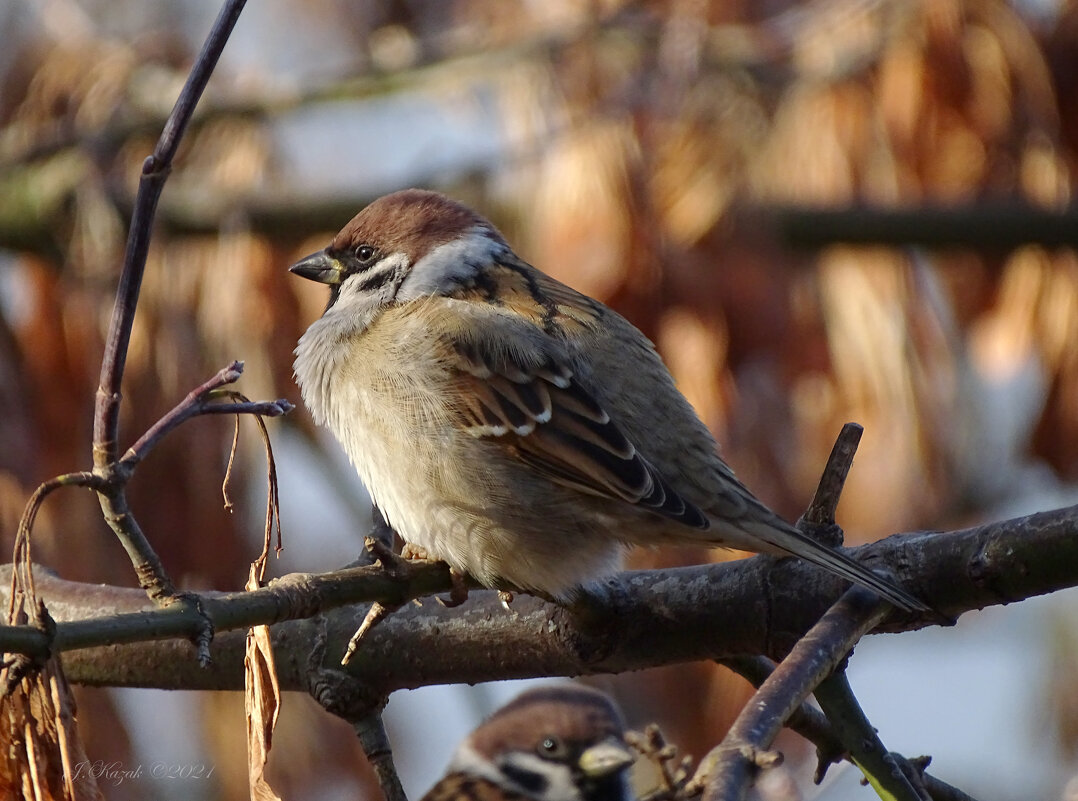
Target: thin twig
(862, 742)
(811, 724)
(727, 771)
(22, 577)
(273, 408)
(821, 510)
(155, 170)
(184, 410)
(375, 743)
(806, 720)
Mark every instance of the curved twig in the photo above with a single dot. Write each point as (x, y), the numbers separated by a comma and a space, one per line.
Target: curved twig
(727, 771)
(863, 744)
(814, 727)
(155, 170)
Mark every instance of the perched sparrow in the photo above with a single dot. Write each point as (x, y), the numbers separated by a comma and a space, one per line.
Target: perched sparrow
(520, 431)
(561, 743)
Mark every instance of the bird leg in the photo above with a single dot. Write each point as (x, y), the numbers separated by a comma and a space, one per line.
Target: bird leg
(458, 593)
(396, 566)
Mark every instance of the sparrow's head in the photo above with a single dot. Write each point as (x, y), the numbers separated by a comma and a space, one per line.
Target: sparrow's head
(401, 247)
(561, 743)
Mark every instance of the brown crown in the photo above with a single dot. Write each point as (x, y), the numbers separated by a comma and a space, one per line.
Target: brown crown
(412, 221)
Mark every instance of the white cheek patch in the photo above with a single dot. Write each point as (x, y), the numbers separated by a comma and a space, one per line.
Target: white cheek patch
(450, 265)
(557, 778)
(380, 281)
(467, 760)
(361, 297)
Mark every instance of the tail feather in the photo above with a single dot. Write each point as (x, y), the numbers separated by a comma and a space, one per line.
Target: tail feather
(787, 540)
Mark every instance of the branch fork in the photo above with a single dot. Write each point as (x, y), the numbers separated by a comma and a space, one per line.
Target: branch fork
(110, 472)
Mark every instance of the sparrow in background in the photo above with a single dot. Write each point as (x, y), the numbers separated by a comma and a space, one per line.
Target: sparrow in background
(559, 743)
(508, 425)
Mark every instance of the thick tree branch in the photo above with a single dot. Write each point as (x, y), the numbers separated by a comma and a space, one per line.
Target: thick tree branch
(645, 618)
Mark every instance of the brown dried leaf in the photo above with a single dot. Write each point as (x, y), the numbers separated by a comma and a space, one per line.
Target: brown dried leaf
(262, 697)
(40, 748)
(262, 692)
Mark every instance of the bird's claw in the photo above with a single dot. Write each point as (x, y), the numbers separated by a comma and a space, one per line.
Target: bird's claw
(458, 593)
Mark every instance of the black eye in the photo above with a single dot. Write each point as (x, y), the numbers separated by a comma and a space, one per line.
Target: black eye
(364, 253)
(553, 748)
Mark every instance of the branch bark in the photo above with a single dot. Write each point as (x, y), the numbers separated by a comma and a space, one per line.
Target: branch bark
(727, 771)
(638, 619)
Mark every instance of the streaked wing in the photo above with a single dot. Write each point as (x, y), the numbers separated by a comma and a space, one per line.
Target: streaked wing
(546, 418)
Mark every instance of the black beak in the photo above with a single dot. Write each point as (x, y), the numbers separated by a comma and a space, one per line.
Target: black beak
(320, 267)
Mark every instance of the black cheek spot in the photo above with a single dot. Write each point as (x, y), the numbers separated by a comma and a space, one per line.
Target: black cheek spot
(534, 783)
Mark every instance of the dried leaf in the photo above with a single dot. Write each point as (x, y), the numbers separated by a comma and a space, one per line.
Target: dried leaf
(262, 693)
(40, 747)
(262, 700)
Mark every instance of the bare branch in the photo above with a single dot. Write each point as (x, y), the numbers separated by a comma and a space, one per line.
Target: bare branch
(728, 770)
(375, 743)
(821, 511)
(806, 720)
(155, 170)
(814, 727)
(187, 408)
(21, 554)
(351, 699)
(862, 742)
(644, 618)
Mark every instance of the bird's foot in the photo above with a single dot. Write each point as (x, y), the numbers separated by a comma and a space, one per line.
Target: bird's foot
(458, 593)
(506, 598)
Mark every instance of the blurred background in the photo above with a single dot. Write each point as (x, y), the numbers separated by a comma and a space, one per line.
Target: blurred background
(662, 156)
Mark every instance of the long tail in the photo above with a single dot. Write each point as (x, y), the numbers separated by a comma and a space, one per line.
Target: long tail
(784, 539)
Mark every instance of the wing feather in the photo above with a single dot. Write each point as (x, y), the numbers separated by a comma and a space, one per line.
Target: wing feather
(544, 416)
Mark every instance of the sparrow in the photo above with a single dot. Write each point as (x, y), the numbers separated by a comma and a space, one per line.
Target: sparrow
(507, 424)
(557, 743)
